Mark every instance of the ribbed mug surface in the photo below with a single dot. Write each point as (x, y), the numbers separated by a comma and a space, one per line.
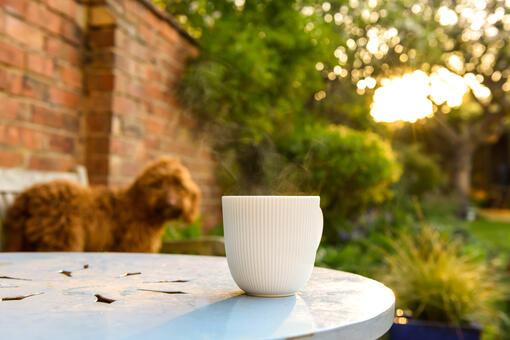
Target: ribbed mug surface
(271, 241)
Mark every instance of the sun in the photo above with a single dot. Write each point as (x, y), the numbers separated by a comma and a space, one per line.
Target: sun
(415, 95)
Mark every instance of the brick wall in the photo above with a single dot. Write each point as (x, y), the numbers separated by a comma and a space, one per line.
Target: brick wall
(94, 82)
(40, 83)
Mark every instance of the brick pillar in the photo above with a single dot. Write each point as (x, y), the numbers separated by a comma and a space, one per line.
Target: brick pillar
(99, 84)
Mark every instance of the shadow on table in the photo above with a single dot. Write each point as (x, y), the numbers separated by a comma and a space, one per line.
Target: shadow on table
(238, 317)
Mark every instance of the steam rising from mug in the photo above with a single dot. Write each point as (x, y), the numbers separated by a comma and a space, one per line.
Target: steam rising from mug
(271, 241)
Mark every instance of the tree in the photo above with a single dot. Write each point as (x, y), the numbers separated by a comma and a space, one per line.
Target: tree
(470, 39)
(254, 75)
(255, 86)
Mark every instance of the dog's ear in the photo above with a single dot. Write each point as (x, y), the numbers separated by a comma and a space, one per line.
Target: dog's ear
(186, 201)
(191, 204)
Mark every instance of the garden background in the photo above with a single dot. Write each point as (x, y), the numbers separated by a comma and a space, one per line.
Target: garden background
(395, 113)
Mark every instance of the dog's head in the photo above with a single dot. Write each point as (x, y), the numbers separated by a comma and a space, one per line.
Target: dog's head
(167, 190)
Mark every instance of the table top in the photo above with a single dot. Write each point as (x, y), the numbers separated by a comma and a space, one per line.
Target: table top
(176, 296)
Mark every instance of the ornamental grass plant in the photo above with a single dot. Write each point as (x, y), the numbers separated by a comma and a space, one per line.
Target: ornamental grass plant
(433, 280)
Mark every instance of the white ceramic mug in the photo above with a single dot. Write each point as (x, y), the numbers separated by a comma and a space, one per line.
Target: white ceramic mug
(271, 241)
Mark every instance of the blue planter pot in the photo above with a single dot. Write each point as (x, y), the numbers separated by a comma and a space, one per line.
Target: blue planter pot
(422, 330)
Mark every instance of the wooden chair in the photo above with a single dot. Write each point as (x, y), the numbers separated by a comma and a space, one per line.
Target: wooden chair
(15, 180)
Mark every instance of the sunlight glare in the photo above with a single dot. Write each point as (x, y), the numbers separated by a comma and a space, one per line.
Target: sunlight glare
(411, 97)
(447, 87)
(447, 16)
(403, 98)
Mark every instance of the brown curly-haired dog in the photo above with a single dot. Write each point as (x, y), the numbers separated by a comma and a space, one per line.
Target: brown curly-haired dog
(65, 216)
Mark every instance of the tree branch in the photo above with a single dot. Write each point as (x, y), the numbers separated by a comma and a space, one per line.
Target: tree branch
(447, 131)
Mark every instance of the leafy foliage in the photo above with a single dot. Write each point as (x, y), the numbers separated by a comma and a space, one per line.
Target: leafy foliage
(361, 256)
(350, 169)
(256, 88)
(179, 230)
(436, 282)
(422, 173)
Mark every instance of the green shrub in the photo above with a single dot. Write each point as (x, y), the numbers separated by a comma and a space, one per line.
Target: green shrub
(421, 173)
(349, 169)
(436, 282)
(179, 230)
(361, 256)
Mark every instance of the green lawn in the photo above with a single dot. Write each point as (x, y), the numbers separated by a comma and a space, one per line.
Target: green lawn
(496, 234)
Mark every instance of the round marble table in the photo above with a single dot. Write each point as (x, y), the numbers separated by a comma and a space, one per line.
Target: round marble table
(155, 296)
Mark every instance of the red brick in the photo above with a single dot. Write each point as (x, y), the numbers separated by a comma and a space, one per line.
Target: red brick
(165, 48)
(62, 50)
(128, 168)
(52, 47)
(100, 101)
(41, 65)
(182, 149)
(23, 33)
(3, 79)
(98, 123)
(43, 116)
(15, 6)
(153, 74)
(71, 76)
(70, 53)
(2, 18)
(99, 145)
(62, 144)
(121, 38)
(33, 88)
(126, 64)
(66, 7)
(21, 136)
(138, 50)
(163, 111)
(103, 37)
(63, 97)
(147, 34)
(192, 50)
(136, 89)
(14, 83)
(133, 7)
(152, 142)
(154, 92)
(10, 108)
(123, 105)
(44, 162)
(171, 34)
(100, 82)
(11, 55)
(69, 30)
(10, 158)
(39, 15)
(59, 120)
(97, 165)
(122, 148)
(34, 13)
(71, 123)
(154, 126)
